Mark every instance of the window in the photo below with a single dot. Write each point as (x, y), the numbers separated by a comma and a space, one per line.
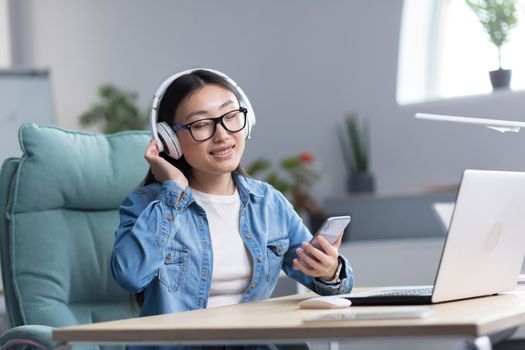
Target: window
(5, 37)
(456, 51)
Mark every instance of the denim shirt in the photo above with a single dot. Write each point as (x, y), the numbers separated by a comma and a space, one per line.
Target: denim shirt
(163, 246)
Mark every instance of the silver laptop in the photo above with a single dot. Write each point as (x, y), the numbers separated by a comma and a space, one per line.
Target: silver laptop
(484, 247)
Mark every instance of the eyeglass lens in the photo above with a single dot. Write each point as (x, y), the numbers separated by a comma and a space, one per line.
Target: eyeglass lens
(233, 121)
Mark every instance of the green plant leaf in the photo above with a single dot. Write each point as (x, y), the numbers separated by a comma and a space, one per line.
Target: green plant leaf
(274, 180)
(293, 173)
(116, 110)
(358, 140)
(291, 163)
(258, 166)
(346, 150)
(497, 17)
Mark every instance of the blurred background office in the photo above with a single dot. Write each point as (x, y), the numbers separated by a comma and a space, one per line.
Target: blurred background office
(305, 66)
(310, 68)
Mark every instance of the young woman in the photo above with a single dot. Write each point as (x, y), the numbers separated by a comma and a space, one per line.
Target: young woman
(200, 233)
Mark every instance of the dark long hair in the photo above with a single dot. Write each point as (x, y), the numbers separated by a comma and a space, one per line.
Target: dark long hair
(179, 89)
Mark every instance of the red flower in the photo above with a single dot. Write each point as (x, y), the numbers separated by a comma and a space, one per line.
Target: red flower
(306, 157)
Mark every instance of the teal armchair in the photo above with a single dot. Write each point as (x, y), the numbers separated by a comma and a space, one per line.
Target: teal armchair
(59, 211)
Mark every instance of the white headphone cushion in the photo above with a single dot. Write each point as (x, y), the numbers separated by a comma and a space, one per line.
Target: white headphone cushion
(170, 139)
(250, 122)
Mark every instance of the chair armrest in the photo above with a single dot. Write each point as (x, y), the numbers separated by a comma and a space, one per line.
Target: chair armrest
(35, 336)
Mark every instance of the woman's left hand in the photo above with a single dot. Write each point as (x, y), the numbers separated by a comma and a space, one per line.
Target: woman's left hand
(316, 262)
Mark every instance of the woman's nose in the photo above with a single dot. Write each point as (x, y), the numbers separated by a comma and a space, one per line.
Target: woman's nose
(220, 133)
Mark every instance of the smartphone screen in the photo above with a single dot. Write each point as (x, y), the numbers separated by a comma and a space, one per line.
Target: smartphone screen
(331, 229)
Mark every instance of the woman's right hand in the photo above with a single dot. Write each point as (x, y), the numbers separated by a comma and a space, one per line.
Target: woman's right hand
(161, 168)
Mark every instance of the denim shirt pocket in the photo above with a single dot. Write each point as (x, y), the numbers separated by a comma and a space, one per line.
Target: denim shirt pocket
(172, 273)
(275, 250)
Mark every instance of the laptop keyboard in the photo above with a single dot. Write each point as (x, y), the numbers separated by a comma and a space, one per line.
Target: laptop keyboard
(406, 292)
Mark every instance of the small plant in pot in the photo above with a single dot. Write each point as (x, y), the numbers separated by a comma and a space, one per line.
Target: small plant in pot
(116, 110)
(355, 145)
(498, 18)
(294, 177)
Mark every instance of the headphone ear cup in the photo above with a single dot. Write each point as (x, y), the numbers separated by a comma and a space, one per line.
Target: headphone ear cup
(170, 140)
(250, 121)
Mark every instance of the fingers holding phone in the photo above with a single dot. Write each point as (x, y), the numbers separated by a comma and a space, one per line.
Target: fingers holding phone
(319, 257)
(321, 244)
(316, 262)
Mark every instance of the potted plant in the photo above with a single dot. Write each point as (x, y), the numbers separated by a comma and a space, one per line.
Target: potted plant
(116, 111)
(354, 142)
(294, 177)
(498, 18)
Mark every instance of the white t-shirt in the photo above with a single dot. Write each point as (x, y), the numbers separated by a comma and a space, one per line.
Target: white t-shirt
(232, 267)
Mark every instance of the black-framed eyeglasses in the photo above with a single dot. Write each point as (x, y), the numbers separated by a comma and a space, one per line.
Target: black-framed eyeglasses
(204, 129)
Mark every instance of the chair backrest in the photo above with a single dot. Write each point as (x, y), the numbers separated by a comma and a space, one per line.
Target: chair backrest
(59, 211)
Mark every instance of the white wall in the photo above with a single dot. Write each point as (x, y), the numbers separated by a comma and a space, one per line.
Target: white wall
(5, 35)
(304, 64)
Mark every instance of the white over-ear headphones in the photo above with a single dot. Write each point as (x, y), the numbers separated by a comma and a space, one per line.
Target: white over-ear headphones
(167, 140)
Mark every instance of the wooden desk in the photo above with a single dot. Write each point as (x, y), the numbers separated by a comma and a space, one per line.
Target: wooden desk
(280, 319)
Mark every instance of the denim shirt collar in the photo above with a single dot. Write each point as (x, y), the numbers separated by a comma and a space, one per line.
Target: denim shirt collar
(247, 187)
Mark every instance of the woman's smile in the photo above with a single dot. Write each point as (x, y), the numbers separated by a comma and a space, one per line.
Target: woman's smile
(222, 152)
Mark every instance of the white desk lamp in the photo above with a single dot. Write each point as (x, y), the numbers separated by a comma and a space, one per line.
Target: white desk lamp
(494, 124)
